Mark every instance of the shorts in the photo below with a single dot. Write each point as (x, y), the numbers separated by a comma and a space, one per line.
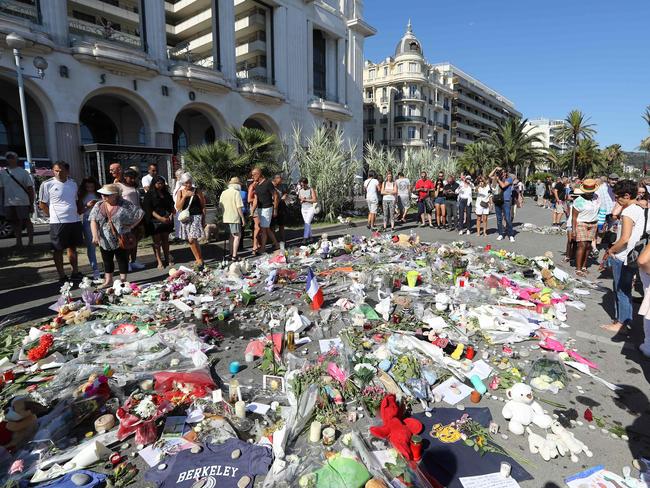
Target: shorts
(422, 207)
(265, 215)
(372, 206)
(586, 231)
(558, 208)
(404, 201)
(439, 201)
(235, 229)
(17, 212)
(65, 236)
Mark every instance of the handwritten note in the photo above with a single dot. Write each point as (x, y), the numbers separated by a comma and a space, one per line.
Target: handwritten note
(494, 480)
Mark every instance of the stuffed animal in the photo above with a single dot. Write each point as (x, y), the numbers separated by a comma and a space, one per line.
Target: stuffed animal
(121, 288)
(567, 442)
(521, 410)
(396, 430)
(19, 425)
(211, 232)
(547, 448)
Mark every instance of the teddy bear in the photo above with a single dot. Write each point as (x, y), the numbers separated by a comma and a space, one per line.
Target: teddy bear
(521, 409)
(19, 425)
(547, 448)
(567, 442)
(395, 429)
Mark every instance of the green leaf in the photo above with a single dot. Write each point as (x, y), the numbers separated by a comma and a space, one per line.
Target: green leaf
(8, 341)
(469, 442)
(476, 447)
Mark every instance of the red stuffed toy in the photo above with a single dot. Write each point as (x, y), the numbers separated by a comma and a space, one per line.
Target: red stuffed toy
(396, 430)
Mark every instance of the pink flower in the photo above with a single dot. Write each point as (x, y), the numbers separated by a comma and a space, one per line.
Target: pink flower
(337, 373)
(17, 466)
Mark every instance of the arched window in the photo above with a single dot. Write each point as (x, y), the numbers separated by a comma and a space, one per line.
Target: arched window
(142, 136)
(180, 140)
(86, 134)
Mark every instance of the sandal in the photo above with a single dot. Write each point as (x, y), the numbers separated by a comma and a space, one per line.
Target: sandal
(580, 273)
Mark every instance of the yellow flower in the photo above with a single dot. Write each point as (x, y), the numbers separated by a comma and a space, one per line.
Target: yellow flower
(480, 440)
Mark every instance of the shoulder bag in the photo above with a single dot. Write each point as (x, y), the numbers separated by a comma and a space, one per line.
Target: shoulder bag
(126, 241)
(632, 260)
(20, 185)
(497, 197)
(184, 215)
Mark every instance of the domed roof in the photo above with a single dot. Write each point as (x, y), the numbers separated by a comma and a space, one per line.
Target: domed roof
(409, 44)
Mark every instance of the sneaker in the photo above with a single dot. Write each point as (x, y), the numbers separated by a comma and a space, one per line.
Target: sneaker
(421, 224)
(512, 239)
(460, 233)
(500, 238)
(645, 350)
(137, 266)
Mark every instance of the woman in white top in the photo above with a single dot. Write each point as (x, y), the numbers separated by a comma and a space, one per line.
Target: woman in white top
(644, 309)
(371, 185)
(307, 197)
(389, 191)
(464, 192)
(629, 232)
(482, 207)
(584, 222)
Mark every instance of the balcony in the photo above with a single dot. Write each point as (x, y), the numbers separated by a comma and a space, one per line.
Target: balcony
(29, 11)
(410, 118)
(372, 121)
(248, 24)
(456, 140)
(383, 120)
(409, 97)
(465, 127)
(196, 76)
(258, 88)
(21, 18)
(330, 109)
(480, 105)
(115, 56)
(252, 49)
(368, 100)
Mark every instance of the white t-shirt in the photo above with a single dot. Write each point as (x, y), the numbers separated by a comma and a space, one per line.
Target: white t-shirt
(146, 180)
(587, 209)
(464, 192)
(637, 214)
(403, 187)
(14, 195)
(389, 186)
(371, 185)
(61, 198)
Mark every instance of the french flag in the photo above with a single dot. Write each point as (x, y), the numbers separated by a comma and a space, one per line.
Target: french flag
(313, 291)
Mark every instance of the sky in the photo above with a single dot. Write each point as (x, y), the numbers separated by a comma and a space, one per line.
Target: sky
(547, 57)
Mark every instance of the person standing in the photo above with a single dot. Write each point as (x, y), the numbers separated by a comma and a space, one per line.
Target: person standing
(451, 202)
(644, 309)
(152, 172)
(251, 200)
(558, 199)
(177, 187)
(502, 202)
(58, 201)
(308, 198)
(17, 190)
(128, 184)
(389, 193)
(280, 219)
(464, 192)
(482, 208)
(190, 198)
(112, 218)
(159, 210)
(540, 189)
(633, 225)
(266, 206)
(422, 187)
(371, 185)
(88, 197)
(584, 225)
(439, 201)
(232, 206)
(403, 196)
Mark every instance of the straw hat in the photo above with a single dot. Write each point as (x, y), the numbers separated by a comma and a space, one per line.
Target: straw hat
(589, 185)
(234, 181)
(110, 189)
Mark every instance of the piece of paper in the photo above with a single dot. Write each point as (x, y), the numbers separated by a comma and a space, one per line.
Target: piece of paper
(452, 391)
(256, 407)
(328, 344)
(596, 477)
(481, 369)
(494, 480)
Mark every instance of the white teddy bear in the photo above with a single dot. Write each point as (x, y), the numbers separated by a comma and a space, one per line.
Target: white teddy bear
(521, 410)
(547, 448)
(567, 442)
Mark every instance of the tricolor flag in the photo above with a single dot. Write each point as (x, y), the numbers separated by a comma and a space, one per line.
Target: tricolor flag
(313, 291)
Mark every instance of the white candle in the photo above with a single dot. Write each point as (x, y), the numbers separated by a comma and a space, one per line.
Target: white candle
(249, 357)
(240, 409)
(314, 431)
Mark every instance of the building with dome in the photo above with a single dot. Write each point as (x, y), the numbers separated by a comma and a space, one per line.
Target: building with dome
(410, 103)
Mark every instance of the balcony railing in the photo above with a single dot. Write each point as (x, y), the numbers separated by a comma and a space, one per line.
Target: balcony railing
(411, 118)
(103, 32)
(383, 120)
(409, 96)
(29, 10)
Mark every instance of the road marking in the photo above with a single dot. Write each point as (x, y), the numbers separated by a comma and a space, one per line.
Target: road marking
(603, 340)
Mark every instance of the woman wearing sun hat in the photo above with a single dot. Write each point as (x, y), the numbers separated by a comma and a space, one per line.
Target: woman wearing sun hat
(584, 222)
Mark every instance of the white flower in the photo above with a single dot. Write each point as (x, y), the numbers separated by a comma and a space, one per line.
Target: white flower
(146, 408)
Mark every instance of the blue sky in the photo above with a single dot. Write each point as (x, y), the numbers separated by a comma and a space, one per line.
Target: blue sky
(548, 57)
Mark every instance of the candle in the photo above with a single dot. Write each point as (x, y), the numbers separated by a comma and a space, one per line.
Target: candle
(505, 469)
(329, 435)
(249, 357)
(240, 409)
(314, 431)
(416, 447)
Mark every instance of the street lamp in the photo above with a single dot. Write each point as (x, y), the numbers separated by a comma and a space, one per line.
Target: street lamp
(17, 42)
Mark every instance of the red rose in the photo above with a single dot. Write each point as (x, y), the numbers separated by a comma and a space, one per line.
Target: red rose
(589, 416)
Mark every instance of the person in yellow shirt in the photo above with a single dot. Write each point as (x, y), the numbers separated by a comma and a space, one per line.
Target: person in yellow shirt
(232, 206)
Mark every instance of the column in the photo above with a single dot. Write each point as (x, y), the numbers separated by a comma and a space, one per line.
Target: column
(341, 70)
(154, 17)
(55, 20)
(227, 38)
(331, 69)
(281, 51)
(310, 59)
(68, 147)
(298, 70)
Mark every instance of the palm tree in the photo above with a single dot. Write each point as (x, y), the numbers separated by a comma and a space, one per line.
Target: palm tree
(478, 157)
(576, 128)
(612, 158)
(514, 147)
(588, 157)
(212, 165)
(257, 148)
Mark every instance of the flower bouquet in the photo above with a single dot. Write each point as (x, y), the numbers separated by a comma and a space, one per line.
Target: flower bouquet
(183, 388)
(139, 415)
(40, 351)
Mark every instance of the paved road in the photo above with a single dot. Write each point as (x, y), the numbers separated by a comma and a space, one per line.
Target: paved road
(616, 354)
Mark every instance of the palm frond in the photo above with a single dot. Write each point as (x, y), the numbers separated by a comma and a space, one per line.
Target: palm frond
(212, 165)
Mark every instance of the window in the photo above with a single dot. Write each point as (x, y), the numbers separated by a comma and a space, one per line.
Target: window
(83, 16)
(371, 74)
(400, 67)
(383, 92)
(412, 110)
(386, 71)
(413, 68)
(435, 138)
(384, 132)
(369, 94)
(444, 139)
(320, 74)
(413, 89)
(399, 133)
(446, 118)
(371, 135)
(412, 132)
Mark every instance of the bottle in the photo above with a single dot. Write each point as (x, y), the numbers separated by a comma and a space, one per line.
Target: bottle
(291, 340)
(233, 390)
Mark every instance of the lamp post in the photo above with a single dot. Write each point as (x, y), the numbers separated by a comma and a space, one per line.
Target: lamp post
(17, 42)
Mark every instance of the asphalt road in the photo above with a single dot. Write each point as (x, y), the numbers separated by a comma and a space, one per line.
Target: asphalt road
(617, 356)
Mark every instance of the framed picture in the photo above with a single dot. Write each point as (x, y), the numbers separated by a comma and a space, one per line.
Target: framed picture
(273, 383)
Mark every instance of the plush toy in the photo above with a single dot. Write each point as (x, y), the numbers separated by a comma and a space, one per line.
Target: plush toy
(121, 288)
(567, 442)
(19, 426)
(396, 430)
(521, 410)
(547, 448)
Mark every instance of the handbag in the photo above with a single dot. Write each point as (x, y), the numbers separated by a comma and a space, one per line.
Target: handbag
(484, 204)
(632, 260)
(126, 241)
(184, 215)
(497, 198)
(317, 208)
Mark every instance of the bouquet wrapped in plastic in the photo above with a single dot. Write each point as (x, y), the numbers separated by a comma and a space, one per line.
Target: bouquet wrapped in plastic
(184, 388)
(139, 415)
